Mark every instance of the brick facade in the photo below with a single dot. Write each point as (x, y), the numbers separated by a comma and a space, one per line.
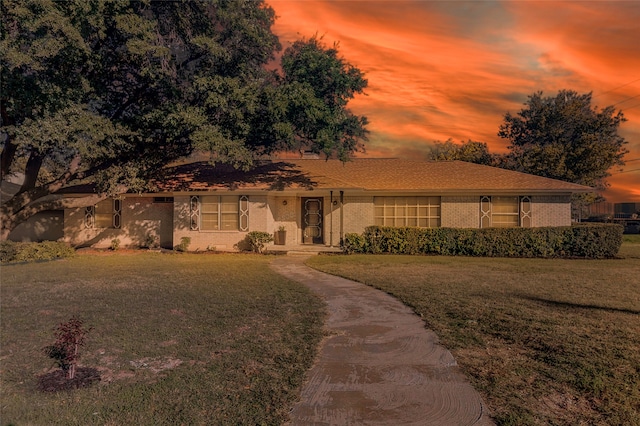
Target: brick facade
(549, 210)
(460, 212)
(140, 218)
(260, 219)
(170, 222)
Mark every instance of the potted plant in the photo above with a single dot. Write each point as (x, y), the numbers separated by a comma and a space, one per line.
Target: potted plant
(280, 236)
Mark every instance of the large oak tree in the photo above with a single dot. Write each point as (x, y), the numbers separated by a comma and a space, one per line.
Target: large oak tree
(564, 137)
(108, 93)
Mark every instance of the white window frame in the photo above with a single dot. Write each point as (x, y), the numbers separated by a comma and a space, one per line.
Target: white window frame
(400, 211)
(524, 214)
(116, 215)
(196, 213)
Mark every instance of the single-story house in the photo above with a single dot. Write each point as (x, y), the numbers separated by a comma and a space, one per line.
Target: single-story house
(318, 201)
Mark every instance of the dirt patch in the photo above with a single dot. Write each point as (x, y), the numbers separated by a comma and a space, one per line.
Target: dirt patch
(564, 405)
(57, 380)
(109, 375)
(156, 365)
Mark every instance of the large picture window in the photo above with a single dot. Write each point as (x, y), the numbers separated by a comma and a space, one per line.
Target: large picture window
(106, 214)
(505, 212)
(219, 213)
(423, 212)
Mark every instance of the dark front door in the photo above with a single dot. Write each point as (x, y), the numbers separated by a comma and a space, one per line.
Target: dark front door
(312, 220)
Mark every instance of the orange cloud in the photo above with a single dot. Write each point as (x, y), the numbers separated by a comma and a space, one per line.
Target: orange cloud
(440, 70)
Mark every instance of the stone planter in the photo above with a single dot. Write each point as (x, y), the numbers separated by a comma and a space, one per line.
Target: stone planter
(280, 238)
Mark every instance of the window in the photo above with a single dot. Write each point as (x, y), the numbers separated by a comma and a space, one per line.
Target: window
(162, 200)
(219, 213)
(106, 214)
(505, 212)
(423, 212)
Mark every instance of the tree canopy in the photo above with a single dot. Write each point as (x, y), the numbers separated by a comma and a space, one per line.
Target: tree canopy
(108, 93)
(564, 137)
(470, 151)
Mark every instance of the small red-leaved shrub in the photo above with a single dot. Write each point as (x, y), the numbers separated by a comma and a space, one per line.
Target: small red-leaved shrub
(70, 336)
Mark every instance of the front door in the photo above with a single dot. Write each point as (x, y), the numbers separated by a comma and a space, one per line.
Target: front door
(312, 220)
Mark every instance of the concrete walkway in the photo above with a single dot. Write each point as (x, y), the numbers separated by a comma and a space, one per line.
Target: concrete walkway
(378, 364)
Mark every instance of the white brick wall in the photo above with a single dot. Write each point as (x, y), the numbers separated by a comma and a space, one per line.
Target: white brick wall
(260, 219)
(551, 210)
(171, 222)
(460, 212)
(140, 217)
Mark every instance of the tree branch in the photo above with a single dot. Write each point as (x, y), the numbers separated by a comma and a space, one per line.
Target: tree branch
(130, 101)
(24, 198)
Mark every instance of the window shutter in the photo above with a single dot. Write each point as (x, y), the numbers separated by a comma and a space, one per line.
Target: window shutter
(194, 213)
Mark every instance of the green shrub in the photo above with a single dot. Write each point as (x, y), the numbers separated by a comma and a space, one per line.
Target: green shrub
(115, 244)
(8, 251)
(151, 241)
(185, 242)
(257, 240)
(593, 241)
(28, 252)
(354, 243)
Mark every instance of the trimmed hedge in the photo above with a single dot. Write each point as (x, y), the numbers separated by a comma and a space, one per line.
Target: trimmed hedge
(28, 252)
(593, 241)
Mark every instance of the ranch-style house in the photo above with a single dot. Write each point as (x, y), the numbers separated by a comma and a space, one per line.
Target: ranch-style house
(317, 202)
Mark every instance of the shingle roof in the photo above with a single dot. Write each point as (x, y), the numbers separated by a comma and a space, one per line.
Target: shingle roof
(369, 174)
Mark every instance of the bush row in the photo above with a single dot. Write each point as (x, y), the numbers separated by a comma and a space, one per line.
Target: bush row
(27, 252)
(593, 241)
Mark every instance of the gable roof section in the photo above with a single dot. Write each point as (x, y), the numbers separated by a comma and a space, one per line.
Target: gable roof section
(366, 174)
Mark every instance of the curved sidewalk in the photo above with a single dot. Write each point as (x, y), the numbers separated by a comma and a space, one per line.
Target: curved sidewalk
(378, 365)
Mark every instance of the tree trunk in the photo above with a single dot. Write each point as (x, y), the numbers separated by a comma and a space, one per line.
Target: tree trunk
(7, 156)
(9, 150)
(31, 171)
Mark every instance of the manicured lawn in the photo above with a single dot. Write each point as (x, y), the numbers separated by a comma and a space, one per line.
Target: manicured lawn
(546, 341)
(178, 339)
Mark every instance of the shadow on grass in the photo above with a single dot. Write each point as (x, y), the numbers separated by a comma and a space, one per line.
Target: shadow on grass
(56, 380)
(555, 303)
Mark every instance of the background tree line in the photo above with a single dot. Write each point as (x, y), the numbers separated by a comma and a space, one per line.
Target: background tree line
(560, 137)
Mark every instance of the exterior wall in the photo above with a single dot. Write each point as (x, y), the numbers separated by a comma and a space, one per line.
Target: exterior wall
(170, 222)
(284, 213)
(549, 210)
(44, 226)
(455, 212)
(460, 212)
(141, 218)
(358, 213)
(260, 219)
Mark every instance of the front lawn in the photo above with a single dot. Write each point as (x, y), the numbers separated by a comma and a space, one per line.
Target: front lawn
(546, 341)
(177, 338)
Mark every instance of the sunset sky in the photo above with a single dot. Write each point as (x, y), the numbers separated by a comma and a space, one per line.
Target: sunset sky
(452, 69)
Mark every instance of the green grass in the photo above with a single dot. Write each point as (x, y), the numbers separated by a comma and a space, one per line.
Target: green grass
(178, 339)
(546, 341)
(631, 239)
